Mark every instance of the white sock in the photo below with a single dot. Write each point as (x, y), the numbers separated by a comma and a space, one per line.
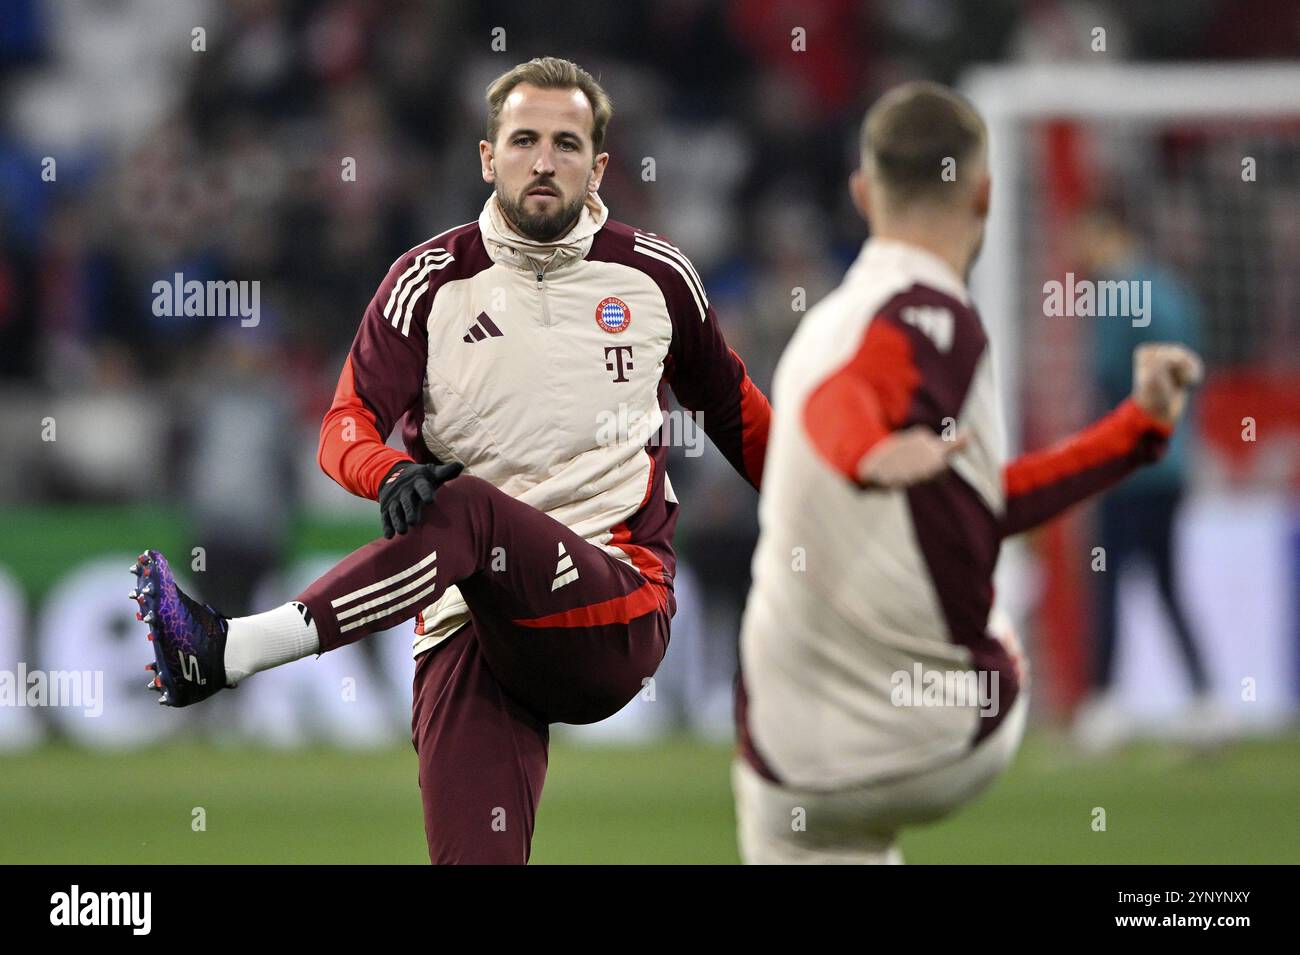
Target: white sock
(269, 639)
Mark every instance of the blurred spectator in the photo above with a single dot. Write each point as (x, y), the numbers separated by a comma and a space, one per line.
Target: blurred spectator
(239, 486)
(1138, 517)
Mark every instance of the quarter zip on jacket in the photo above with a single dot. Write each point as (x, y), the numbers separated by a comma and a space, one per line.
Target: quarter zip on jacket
(541, 291)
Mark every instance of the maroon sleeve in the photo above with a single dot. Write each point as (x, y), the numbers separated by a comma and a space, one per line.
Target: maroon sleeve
(709, 378)
(706, 376)
(383, 376)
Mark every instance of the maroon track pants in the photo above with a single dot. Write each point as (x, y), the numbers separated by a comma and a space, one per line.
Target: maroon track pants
(533, 654)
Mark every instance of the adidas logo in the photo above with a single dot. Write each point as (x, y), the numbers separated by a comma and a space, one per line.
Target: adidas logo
(302, 609)
(565, 572)
(482, 328)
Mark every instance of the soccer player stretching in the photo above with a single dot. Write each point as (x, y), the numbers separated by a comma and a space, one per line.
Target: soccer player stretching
(884, 503)
(540, 577)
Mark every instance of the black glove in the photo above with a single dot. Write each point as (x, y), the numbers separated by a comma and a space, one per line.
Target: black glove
(407, 488)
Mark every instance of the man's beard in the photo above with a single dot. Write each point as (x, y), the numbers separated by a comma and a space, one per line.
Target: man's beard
(540, 226)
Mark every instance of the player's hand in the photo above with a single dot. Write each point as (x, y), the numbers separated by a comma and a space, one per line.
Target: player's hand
(407, 488)
(908, 457)
(1162, 375)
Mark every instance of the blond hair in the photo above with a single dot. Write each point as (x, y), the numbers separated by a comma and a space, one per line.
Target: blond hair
(910, 132)
(551, 73)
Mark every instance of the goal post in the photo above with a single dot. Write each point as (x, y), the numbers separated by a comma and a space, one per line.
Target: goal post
(1207, 160)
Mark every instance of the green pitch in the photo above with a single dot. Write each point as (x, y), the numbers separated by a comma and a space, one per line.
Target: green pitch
(663, 803)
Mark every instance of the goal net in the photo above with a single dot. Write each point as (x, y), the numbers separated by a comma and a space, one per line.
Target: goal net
(1205, 163)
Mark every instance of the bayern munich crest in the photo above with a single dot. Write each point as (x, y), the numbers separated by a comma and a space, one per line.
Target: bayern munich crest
(613, 315)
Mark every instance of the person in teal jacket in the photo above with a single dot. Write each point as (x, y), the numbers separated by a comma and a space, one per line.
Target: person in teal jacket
(1138, 516)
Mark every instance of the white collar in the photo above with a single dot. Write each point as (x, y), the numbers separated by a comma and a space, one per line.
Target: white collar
(508, 247)
(922, 262)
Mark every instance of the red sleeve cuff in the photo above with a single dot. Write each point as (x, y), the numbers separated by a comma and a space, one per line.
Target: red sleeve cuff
(1117, 435)
(756, 422)
(1143, 420)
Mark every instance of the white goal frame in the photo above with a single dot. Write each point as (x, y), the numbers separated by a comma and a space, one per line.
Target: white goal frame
(1008, 96)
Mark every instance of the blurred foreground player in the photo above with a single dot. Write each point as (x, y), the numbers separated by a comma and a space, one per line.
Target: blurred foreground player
(877, 690)
(527, 356)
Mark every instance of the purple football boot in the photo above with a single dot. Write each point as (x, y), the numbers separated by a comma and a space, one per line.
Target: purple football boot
(189, 638)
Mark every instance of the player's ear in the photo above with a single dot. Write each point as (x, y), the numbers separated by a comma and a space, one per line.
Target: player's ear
(486, 161)
(598, 171)
(860, 193)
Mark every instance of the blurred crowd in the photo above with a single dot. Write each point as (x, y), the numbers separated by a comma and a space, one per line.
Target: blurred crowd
(145, 138)
(219, 155)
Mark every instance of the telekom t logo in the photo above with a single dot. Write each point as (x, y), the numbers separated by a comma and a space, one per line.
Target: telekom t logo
(619, 363)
